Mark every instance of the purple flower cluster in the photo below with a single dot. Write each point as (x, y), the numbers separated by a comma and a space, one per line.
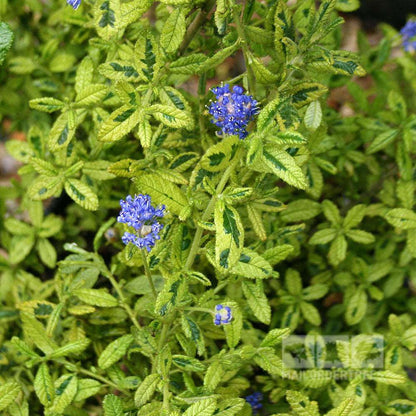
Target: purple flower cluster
(233, 110)
(409, 35)
(223, 315)
(254, 401)
(74, 3)
(139, 214)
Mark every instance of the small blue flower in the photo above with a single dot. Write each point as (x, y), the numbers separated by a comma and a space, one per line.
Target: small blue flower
(255, 401)
(139, 214)
(223, 315)
(233, 110)
(409, 35)
(74, 3)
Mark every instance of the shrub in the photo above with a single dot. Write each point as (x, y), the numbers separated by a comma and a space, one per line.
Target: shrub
(262, 224)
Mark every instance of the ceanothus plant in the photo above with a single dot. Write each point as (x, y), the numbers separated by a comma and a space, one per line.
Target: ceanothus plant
(191, 193)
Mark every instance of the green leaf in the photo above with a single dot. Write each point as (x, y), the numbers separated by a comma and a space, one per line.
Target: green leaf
(229, 235)
(382, 141)
(284, 166)
(43, 385)
(305, 92)
(107, 18)
(218, 156)
(347, 6)
(21, 151)
(8, 391)
(268, 113)
(204, 407)
(217, 58)
(344, 409)
(277, 254)
(213, 376)
(401, 407)
(267, 359)
(91, 95)
(402, 218)
(252, 266)
(360, 236)
(24, 348)
(323, 236)
(188, 65)
(233, 329)
(188, 363)
(193, 332)
(119, 123)
(144, 131)
(17, 227)
(114, 351)
(44, 187)
(408, 339)
(331, 212)
(61, 132)
(257, 300)
(173, 30)
(397, 104)
(119, 71)
(21, 65)
(310, 313)
(81, 193)
(313, 116)
(84, 74)
(338, 250)
(51, 225)
(388, 377)
(147, 56)
(354, 216)
(65, 391)
(301, 404)
(112, 405)
(174, 98)
(46, 104)
(293, 282)
(275, 336)
(287, 138)
(43, 167)
(356, 307)
(75, 347)
(133, 10)
(62, 62)
(261, 72)
(268, 205)
(184, 161)
(21, 245)
(171, 116)
(6, 40)
(315, 291)
(96, 297)
(255, 218)
(36, 333)
(164, 192)
(146, 389)
(47, 252)
(300, 210)
(87, 387)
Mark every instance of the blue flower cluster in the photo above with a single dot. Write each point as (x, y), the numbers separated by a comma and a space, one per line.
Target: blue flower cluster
(409, 35)
(233, 110)
(74, 3)
(139, 214)
(223, 315)
(255, 401)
